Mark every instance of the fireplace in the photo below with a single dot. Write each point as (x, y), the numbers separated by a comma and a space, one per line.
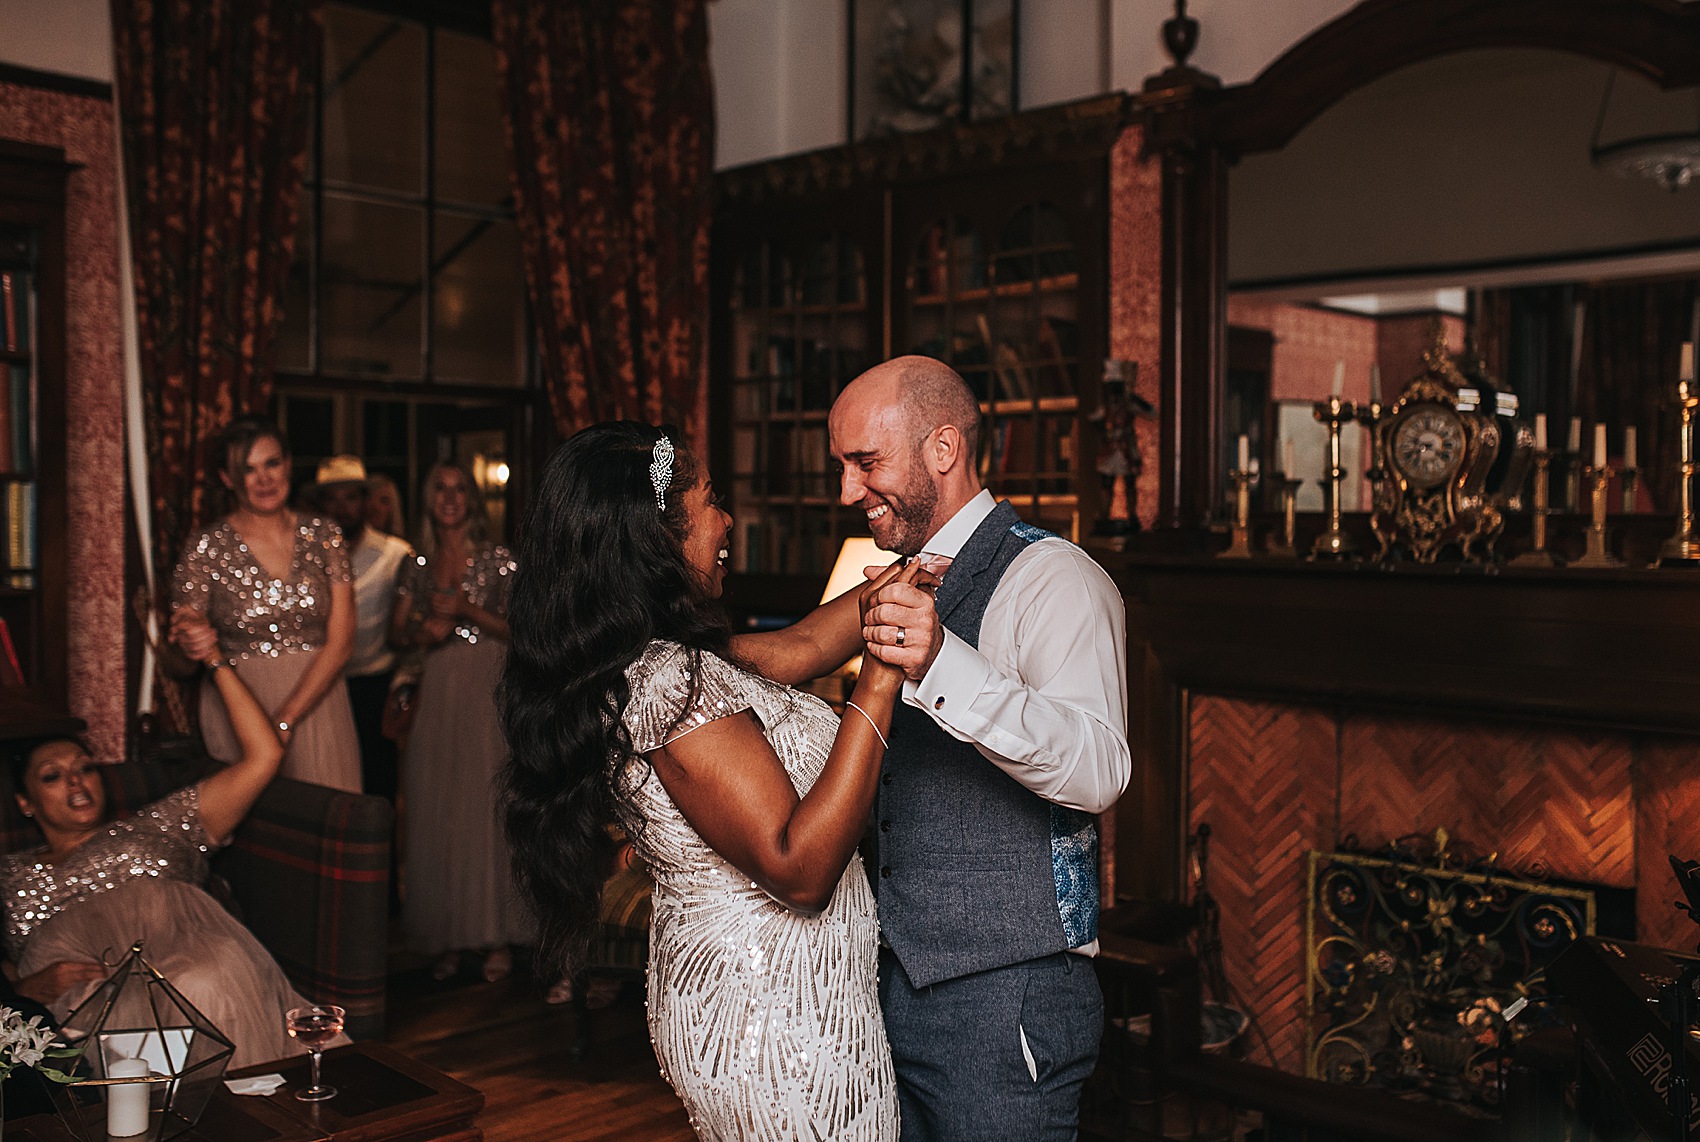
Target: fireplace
(1548, 719)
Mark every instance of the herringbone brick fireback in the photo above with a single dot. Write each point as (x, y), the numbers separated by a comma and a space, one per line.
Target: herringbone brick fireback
(1275, 780)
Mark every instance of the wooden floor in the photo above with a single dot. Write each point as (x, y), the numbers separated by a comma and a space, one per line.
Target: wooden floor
(503, 1039)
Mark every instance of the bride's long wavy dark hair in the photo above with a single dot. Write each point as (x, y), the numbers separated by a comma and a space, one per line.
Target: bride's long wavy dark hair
(601, 573)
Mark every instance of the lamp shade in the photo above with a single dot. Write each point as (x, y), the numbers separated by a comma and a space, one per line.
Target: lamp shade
(858, 552)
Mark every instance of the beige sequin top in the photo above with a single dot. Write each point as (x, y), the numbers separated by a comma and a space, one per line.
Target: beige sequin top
(254, 613)
(166, 839)
(765, 1020)
(485, 582)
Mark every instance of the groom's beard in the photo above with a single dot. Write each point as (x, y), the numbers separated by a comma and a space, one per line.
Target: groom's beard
(909, 524)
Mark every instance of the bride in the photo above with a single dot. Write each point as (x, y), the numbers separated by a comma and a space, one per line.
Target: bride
(627, 703)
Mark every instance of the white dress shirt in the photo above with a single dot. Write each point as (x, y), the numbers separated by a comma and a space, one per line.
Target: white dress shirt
(377, 563)
(1044, 698)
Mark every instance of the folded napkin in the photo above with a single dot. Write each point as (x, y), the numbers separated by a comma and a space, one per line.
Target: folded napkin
(259, 1084)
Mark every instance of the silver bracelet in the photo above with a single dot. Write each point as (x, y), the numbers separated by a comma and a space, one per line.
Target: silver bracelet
(871, 722)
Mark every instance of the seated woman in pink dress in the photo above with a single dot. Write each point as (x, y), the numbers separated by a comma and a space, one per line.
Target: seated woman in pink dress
(75, 905)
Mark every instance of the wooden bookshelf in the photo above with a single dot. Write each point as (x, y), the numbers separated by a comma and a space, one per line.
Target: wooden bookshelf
(33, 566)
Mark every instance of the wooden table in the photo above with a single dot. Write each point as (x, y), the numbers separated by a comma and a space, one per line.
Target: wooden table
(382, 1096)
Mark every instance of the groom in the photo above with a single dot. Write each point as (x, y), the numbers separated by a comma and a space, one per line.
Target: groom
(1011, 737)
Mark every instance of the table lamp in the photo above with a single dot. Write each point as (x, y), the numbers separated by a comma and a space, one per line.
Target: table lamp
(858, 552)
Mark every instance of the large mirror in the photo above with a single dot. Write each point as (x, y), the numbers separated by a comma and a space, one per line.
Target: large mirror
(1473, 193)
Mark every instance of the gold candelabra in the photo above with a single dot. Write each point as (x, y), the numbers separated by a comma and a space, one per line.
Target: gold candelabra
(1334, 543)
(1539, 556)
(1239, 544)
(1598, 554)
(1683, 547)
(1285, 546)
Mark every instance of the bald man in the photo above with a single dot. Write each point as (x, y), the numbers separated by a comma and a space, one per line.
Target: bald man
(1011, 737)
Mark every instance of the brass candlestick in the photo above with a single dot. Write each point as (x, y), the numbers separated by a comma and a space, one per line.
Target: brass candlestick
(1683, 547)
(1597, 554)
(1572, 481)
(1239, 546)
(1334, 543)
(1286, 547)
(1539, 556)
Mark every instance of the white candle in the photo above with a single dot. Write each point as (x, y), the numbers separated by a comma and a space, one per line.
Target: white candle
(1629, 447)
(1339, 377)
(1599, 445)
(1375, 384)
(1685, 371)
(1287, 464)
(1245, 453)
(127, 1105)
(1541, 431)
(1575, 442)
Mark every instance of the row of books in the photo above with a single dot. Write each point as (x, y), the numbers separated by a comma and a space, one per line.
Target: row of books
(1020, 446)
(999, 370)
(776, 545)
(16, 451)
(15, 296)
(20, 550)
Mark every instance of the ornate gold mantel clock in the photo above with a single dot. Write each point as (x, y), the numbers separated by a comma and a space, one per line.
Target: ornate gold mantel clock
(1439, 442)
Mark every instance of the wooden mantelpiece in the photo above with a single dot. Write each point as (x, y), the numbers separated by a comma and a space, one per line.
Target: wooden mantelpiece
(1611, 651)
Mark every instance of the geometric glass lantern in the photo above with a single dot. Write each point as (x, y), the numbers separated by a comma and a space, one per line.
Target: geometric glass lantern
(149, 1064)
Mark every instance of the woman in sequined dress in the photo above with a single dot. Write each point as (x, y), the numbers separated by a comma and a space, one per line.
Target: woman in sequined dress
(627, 701)
(452, 601)
(273, 591)
(75, 905)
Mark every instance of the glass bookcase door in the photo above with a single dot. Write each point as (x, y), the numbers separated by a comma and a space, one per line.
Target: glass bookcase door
(17, 408)
(1002, 308)
(800, 332)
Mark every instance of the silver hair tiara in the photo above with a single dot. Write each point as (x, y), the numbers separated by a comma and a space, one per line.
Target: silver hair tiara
(661, 470)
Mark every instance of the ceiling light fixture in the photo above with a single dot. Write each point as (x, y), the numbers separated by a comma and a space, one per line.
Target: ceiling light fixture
(1671, 160)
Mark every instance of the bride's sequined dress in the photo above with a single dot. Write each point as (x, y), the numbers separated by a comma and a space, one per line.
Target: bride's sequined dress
(765, 1020)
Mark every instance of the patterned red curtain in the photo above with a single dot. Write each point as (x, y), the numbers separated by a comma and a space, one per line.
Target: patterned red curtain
(609, 112)
(215, 98)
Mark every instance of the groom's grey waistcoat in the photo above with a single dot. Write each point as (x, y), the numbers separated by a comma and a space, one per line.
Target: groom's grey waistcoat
(974, 871)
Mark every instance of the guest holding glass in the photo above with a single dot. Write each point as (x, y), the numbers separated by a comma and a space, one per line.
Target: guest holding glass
(270, 589)
(453, 603)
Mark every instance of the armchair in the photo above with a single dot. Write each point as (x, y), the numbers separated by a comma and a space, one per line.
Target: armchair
(307, 872)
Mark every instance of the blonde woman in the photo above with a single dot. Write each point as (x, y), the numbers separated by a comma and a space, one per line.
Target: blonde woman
(452, 603)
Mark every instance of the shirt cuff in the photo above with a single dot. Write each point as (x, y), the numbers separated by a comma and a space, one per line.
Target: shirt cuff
(958, 675)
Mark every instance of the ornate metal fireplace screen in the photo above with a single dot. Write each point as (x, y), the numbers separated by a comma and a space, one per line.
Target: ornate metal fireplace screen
(1410, 964)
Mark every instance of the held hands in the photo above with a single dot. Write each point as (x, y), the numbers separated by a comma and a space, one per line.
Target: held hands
(194, 636)
(899, 622)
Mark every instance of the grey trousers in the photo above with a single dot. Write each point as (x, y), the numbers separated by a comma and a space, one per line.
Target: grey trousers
(998, 1056)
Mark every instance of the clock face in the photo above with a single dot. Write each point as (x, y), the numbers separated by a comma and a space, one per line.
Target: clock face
(1428, 444)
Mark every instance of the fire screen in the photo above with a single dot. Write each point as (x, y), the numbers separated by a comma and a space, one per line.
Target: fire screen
(1411, 965)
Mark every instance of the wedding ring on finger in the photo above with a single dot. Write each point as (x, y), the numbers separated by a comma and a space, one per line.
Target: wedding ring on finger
(899, 638)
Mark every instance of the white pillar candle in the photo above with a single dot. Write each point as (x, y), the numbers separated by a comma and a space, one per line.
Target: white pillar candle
(1375, 384)
(1339, 385)
(127, 1105)
(1245, 453)
(1541, 431)
(1685, 371)
(1575, 442)
(1629, 447)
(1599, 445)
(1287, 463)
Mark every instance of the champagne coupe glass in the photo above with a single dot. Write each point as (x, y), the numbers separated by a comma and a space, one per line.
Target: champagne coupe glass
(315, 1025)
